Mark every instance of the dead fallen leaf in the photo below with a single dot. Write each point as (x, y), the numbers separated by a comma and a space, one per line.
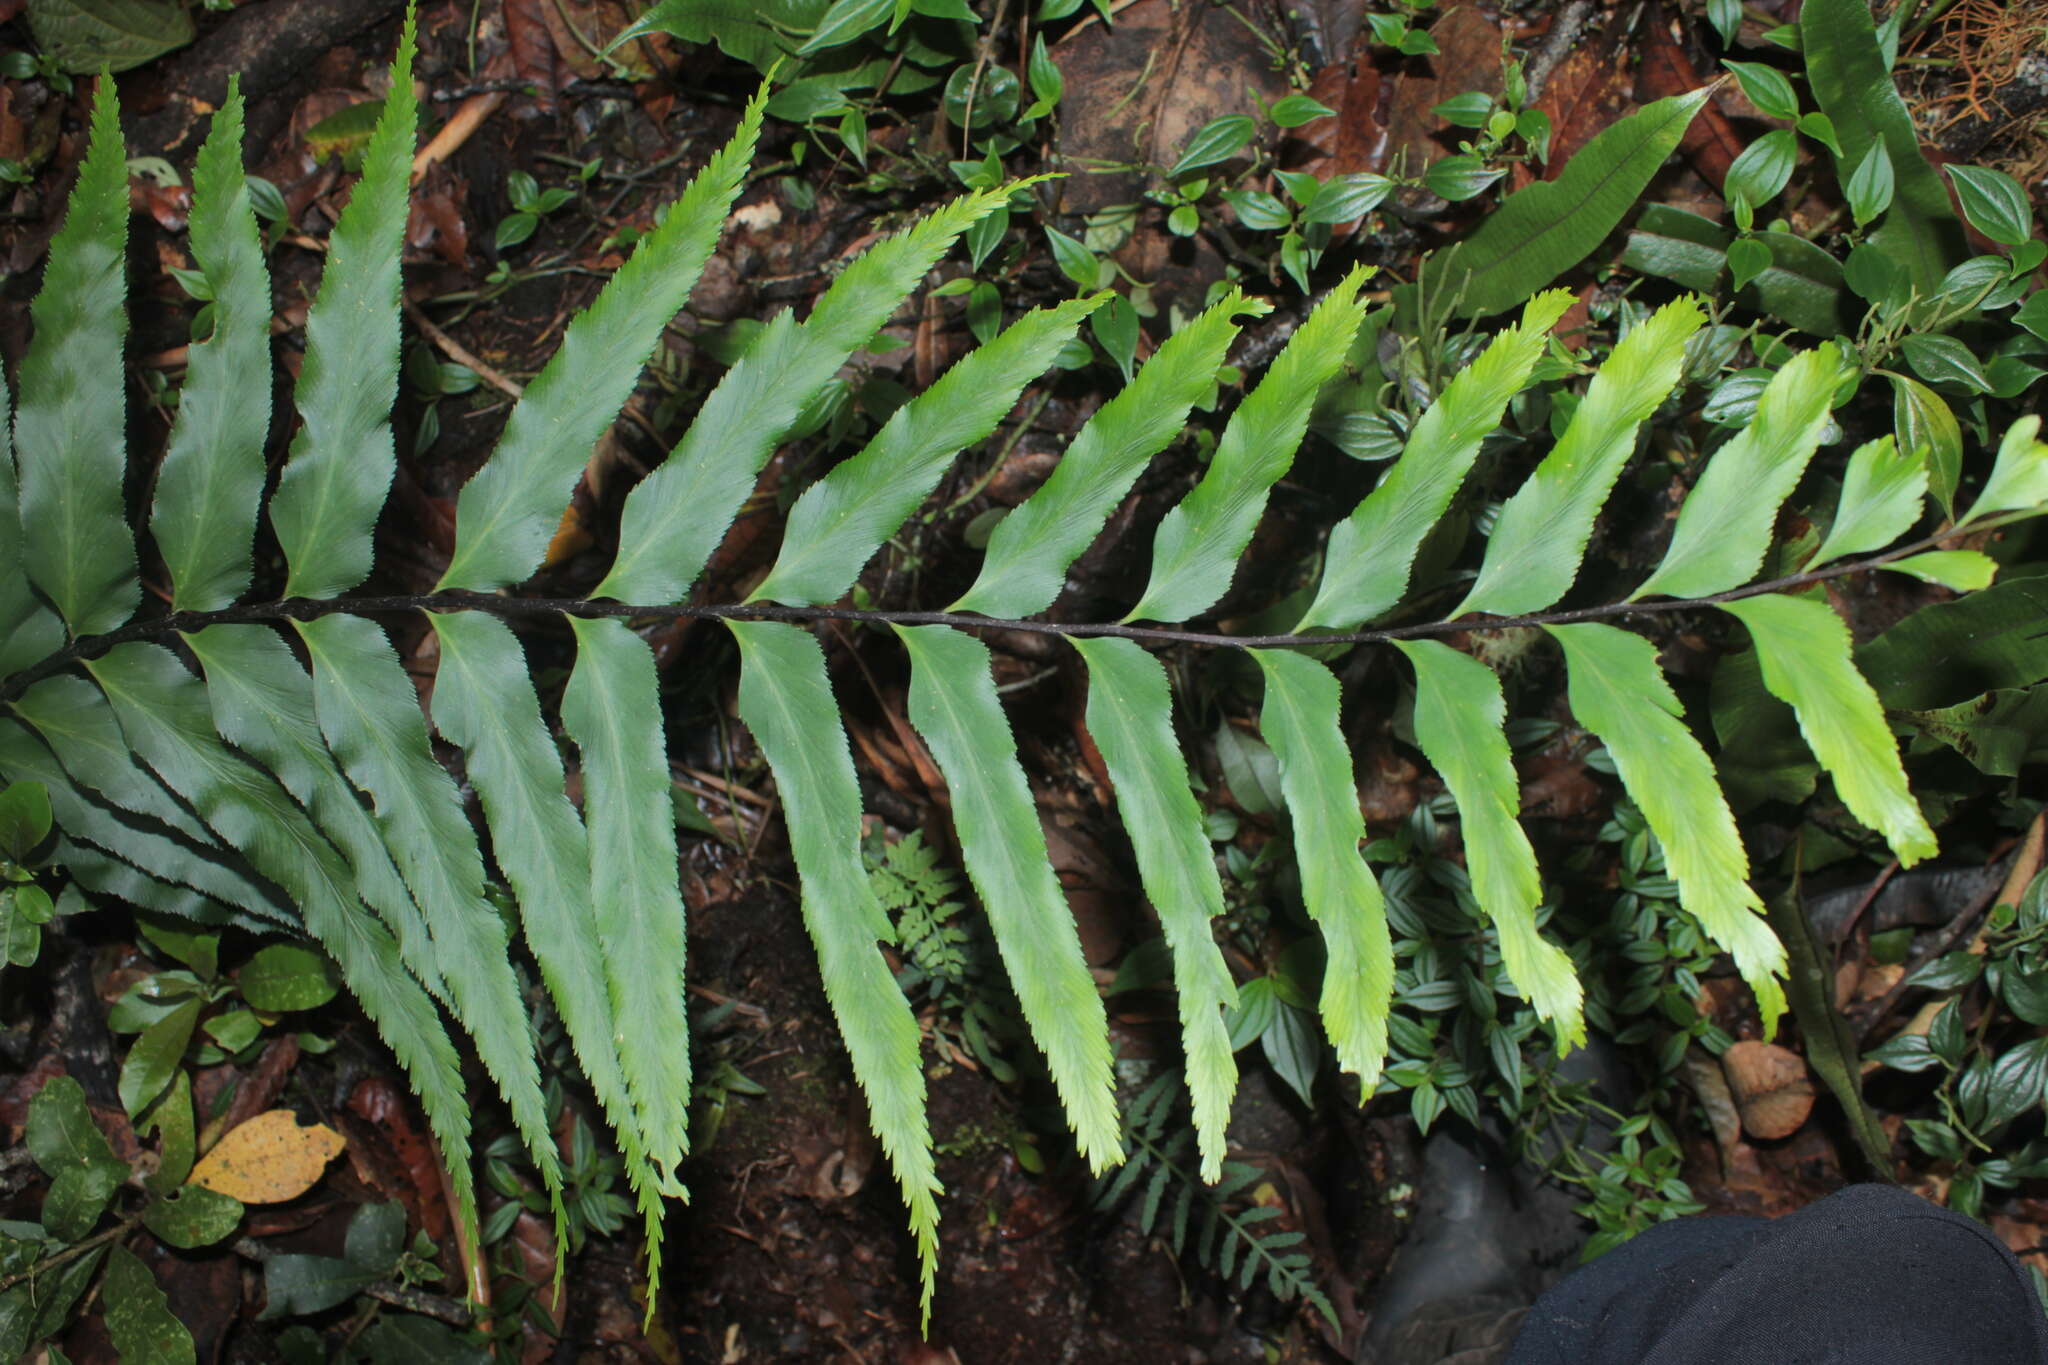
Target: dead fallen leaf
(269, 1159)
(1772, 1090)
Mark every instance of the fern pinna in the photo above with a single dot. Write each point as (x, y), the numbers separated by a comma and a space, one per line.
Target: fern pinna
(276, 770)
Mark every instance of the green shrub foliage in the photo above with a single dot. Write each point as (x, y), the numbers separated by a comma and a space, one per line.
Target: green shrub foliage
(236, 793)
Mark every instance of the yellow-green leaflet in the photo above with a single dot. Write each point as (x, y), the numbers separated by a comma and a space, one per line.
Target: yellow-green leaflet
(2019, 479)
(1882, 495)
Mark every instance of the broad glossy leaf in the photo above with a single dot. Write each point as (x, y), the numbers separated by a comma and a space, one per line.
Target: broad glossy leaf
(1883, 493)
(1372, 552)
(1196, 548)
(1618, 692)
(1802, 285)
(786, 700)
(2019, 477)
(680, 512)
(341, 462)
(86, 36)
(1994, 202)
(1031, 548)
(1299, 718)
(2000, 733)
(191, 1216)
(1724, 526)
(210, 485)
(138, 1315)
(953, 705)
(612, 709)
(844, 517)
(1951, 651)
(70, 432)
(1130, 718)
(506, 514)
(1540, 537)
(1544, 229)
(1804, 650)
(70, 1149)
(1459, 712)
(1927, 426)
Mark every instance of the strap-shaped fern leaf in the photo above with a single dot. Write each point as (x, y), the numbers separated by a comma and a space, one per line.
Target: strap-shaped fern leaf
(27, 629)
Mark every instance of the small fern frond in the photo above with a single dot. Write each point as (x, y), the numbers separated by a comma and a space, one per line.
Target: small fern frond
(342, 461)
(2019, 478)
(1031, 549)
(1884, 491)
(210, 485)
(1366, 568)
(70, 427)
(954, 708)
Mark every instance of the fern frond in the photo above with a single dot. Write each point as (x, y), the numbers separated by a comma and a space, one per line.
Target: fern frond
(28, 631)
(210, 485)
(1371, 552)
(1540, 539)
(1030, 549)
(341, 462)
(677, 515)
(786, 700)
(103, 874)
(1129, 717)
(2019, 478)
(1194, 555)
(506, 514)
(1804, 651)
(841, 519)
(1724, 526)
(1883, 492)
(953, 706)
(612, 710)
(1459, 712)
(70, 427)
(1299, 719)
(1617, 691)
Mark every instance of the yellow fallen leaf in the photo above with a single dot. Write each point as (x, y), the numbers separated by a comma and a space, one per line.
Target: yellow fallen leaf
(269, 1159)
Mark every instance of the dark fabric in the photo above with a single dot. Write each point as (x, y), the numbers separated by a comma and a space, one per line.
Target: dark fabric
(1871, 1275)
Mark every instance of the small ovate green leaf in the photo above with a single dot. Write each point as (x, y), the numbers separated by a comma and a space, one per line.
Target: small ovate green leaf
(1882, 494)
(844, 517)
(2019, 477)
(1196, 549)
(70, 1149)
(1944, 360)
(1030, 550)
(152, 1060)
(24, 819)
(285, 976)
(138, 1315)
(846, 21)
(612, 710)
(341, 463)
(1763, 167)
(1541, 534)
(507, 513)
(1544, 229)
(1372, 552)
(70, 433)
(1216, 141)
(1459, 712)
(786, 699)
(1767, 87)
(210, 485)
(1292, 111)
(1962, 570)
(953, 705)
(1299, 718)
(1994, 203)
(192, 1216)
(1870, 188)
(1927, 426)
(1724, 527)
(1617, 691)
(1804, 650)
(678, 514)
(1130, 718)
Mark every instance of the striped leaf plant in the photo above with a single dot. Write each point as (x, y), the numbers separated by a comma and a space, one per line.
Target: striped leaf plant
(262, 758)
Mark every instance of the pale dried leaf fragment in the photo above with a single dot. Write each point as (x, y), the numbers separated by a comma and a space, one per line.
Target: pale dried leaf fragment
(1772, 1090)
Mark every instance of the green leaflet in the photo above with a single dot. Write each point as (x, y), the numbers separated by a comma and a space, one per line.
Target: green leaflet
(2019, 477)
(103, 874)
(1130, 718)
(1540, 538)
(484, 704)
(1853, 85)
(1299, 719)
(1804, 650)
(612, 709)
(1882, 494)
(786, 700)
(211, 482)
(678, 514)
(341, 462)
(70, 432)
(1926, 425)
(1459, 712)
(163, 713)
(28, 631)
(507, 513)
(138, 1315)
(953, 705)
(1544, 229)
(1725, 525)
(1611, 675)
(1195, 552)
(841, 519)
(1372, 551)
(1962, 570)
(1031, 548)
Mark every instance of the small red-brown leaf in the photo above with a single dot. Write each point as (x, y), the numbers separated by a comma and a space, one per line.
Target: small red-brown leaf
(1771, 1088)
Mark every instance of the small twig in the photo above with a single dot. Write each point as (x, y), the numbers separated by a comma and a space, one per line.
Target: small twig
(456, 131)
(1556, 45)
(461, 354)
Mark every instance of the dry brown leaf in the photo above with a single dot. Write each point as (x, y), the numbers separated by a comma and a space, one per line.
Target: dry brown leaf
(1772, 1090)
(269, 1159)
